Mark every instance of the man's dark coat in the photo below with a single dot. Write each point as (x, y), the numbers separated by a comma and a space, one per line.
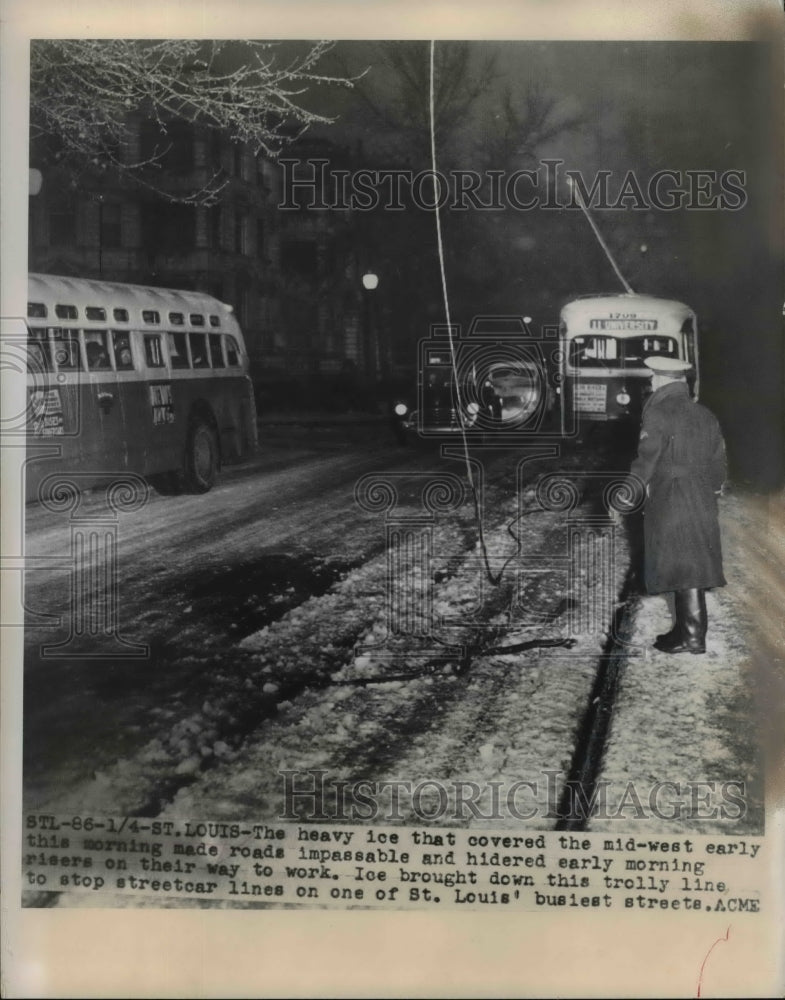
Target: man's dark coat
(681, 460)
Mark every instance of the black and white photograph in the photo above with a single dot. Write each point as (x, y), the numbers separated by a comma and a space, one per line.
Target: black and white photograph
(393, 484)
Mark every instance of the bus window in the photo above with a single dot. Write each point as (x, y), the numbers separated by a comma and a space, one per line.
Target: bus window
(638, 348)
(153, 354)
(199, 350)
(151, 316)
(39, 356)
(66, 350)
(95, 313)
(178, 349)
(197, 319)
(215, 320)
(65, 312)
(120, 315)
(176, 318)
(37, 310)
(122, 351)
(216, 356)
(593, 352)
(96, 350)
(232, 351)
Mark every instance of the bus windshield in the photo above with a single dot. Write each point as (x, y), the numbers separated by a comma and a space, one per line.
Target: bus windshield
(638, 348)
(594, 352)
(609, 352)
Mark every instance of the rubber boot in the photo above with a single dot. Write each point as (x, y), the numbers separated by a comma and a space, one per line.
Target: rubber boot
(675, 634)
(689, 633)
(669, 637)
(703, 617)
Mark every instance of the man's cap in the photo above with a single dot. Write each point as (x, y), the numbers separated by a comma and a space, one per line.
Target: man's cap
(668, 366)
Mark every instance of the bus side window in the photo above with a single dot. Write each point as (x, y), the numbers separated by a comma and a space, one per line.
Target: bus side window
(39, 354)
(178, 350)
(232, 351)
(153, 354)
(96, 350)
(66, 350)
(216, 355)
(122, 351)
(198, 342)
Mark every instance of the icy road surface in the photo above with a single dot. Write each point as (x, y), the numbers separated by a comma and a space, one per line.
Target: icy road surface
(266, 607)
(252, 599)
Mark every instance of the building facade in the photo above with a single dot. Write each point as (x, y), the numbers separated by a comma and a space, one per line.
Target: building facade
(293, 277)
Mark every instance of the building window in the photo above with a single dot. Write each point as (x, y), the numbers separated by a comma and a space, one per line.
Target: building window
(62, 227)
(169, 228)
(239, 232)
(242, 300)
(214, 236)
(111, 225)
(299, 257)
(215, 151)
(171, 145)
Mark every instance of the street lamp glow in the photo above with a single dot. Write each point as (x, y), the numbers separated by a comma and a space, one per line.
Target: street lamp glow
(370, 280)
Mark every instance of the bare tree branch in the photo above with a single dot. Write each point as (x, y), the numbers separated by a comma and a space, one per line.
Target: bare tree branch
(83, 93)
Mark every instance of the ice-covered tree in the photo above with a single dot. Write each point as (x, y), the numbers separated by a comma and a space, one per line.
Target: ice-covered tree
(84, 92)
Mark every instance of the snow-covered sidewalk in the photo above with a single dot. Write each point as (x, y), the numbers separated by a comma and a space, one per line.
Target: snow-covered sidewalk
(703, 722)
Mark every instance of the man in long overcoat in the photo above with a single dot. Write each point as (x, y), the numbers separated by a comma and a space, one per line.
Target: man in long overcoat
(681, 461)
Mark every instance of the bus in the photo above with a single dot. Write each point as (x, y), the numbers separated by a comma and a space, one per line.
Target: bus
(604, 340)
(129, 378)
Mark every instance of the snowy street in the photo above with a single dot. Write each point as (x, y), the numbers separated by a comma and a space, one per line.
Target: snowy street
(266, 606)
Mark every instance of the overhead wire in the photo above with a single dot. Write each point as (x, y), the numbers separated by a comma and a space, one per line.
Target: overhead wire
(584, 208)
(457, 382)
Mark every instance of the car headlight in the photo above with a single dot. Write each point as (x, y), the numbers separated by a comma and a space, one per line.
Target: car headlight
(473, 408)
(623, 398)
(401, 409)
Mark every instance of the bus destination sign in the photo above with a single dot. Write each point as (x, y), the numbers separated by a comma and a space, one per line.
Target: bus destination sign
(626, 323)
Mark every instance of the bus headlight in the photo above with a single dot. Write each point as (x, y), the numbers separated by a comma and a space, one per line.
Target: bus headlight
(473, 408)
(401, 409)
(623, 398)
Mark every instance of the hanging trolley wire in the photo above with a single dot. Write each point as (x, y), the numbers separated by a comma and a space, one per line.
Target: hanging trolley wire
(458, 395)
